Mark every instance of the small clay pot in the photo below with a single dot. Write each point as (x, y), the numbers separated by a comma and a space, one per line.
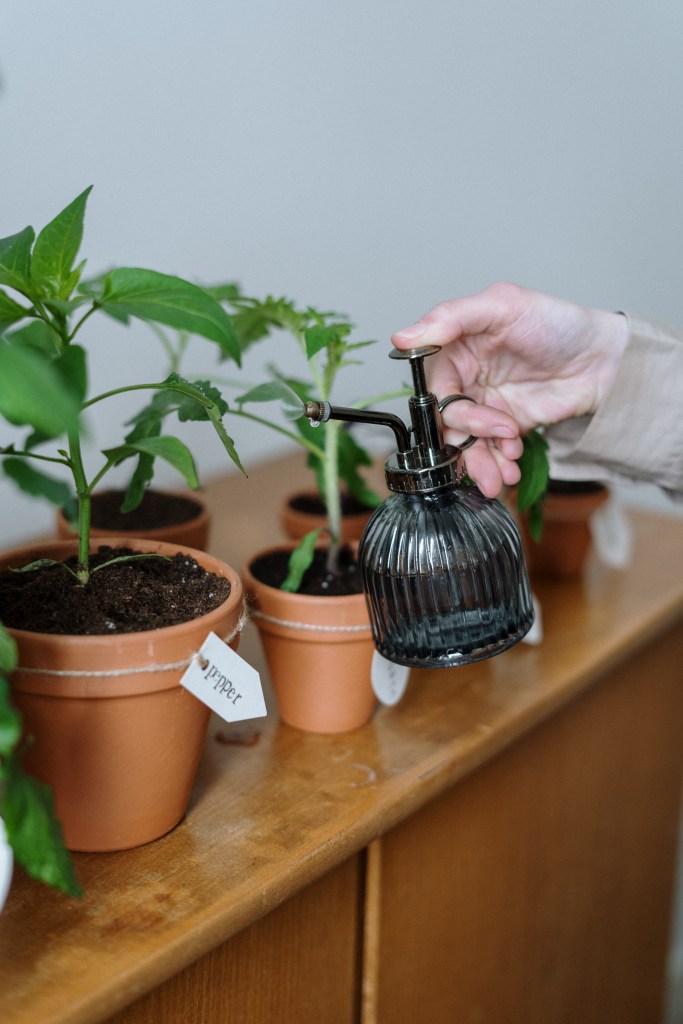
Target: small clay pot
(193, 532)
(115, 735)
(566, 539)
(319, 653)
(303, 512)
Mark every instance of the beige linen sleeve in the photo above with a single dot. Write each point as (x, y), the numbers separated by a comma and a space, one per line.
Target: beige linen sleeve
(637, 433)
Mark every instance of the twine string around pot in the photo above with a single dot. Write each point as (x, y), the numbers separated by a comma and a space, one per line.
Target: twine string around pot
(359, 628)
(110, 673)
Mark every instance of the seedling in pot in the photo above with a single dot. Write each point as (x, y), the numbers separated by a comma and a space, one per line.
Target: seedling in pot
(324, 340)
(38, 348)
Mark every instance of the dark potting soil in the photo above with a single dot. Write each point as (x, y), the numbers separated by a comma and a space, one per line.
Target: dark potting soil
(318, 580)
(128, 597)
(156, 509)
(311, 504)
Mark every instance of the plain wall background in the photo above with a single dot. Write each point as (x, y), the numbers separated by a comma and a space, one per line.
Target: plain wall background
(372, 158)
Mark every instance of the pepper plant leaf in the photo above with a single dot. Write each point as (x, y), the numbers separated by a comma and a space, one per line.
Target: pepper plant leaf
(171, 449)
(55, 251)
(33, 829)
(37, 483)
(32, 392)
(10, 311)
(15, 261)
(535, 470)
(164, 299)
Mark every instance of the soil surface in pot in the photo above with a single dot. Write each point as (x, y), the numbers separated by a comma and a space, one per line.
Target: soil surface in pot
(312, 505)
(318, 580)
(156, 509)
(129, 597)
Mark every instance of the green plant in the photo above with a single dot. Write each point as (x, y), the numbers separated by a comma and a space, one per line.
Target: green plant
(26, 805)
(324, 340)
(38, 346)
(44, 306)
(533, 483)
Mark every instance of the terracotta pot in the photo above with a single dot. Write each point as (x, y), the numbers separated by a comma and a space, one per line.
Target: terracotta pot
(319, 653)
(566, 539)
(296, 523)
(193, 533)
(115, 735)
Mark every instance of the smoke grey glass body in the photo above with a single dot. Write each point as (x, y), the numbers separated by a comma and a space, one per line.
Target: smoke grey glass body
(445, 578)
(442, 566)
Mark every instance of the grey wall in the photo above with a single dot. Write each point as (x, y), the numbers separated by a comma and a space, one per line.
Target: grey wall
(370, 157)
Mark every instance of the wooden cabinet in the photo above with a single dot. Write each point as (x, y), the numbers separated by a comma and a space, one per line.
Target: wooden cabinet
(500, 846)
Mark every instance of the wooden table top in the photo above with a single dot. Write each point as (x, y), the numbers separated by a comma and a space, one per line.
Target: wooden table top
(274, 808)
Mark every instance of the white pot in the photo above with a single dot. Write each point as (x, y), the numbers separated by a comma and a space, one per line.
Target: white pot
(6, 864)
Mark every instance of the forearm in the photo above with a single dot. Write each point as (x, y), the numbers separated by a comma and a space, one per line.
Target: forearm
(637, 431)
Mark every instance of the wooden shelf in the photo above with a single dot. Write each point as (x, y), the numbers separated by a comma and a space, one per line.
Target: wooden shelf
(274, 810)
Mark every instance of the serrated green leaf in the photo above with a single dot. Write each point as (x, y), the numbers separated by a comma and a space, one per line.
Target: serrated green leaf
(33, 830)
(171, 449)
(10, 311)
(317, 338)
(299, 561)
(36, 483)
(351, 455)
(56, 249)
(32, 392)
(275, 391)
(15, 262)
(192, 404)
(164, 299)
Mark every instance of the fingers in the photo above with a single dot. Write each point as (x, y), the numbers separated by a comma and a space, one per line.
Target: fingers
(490, 469)
(463, 418)
(458, 318)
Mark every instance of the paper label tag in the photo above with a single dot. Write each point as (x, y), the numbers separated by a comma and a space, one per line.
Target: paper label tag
(225, 682)
(535, 634)
(389, 680)
(611, 534)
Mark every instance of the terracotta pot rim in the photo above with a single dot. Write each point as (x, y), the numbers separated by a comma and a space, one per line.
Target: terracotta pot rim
(163, 533)
(300, 600)
(161, 637)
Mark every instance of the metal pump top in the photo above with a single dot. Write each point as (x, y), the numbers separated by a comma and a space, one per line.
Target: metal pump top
(422, 461)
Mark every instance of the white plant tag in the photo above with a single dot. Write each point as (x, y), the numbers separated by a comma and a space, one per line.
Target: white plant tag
(611, 534)
(535, 634)
(389, 680)
(225, 682)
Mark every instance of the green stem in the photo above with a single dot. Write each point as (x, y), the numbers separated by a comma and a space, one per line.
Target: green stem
(332, 494)
(81, 322)
(84, 505)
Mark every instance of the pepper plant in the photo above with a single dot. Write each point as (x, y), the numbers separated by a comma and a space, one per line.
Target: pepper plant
(44, 307)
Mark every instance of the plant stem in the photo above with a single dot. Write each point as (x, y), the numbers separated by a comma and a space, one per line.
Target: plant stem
(84, 505)
(332, 494)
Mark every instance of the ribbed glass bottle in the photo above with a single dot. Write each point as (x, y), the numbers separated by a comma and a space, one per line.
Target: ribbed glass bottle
(445, 578)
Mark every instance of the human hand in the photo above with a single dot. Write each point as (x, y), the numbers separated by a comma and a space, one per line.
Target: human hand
(527, 358)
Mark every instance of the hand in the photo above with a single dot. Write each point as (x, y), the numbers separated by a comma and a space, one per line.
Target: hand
(529, 359)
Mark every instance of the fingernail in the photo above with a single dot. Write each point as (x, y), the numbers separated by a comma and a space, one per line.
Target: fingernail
(410, 333)
(503, 432)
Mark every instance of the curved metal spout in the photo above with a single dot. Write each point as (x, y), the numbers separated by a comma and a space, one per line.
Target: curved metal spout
(320, 412)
